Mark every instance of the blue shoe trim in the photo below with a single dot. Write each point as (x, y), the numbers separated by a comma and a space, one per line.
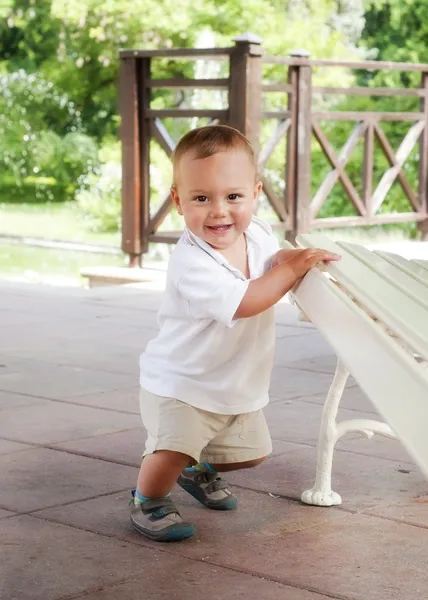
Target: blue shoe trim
(176, 535)
(195, 469)
(209, 467)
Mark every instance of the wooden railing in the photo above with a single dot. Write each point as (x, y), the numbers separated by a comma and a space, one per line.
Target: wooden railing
(297, 209)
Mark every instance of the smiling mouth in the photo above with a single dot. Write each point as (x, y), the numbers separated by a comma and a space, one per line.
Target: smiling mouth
(219, 228)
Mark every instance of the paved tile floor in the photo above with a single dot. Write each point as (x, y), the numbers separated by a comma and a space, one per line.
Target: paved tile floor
(70, 445)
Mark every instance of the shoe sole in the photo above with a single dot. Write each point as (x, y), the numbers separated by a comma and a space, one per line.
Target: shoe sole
(229, 504)
(173, 533)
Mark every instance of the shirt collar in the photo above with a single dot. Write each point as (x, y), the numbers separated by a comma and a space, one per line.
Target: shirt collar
(217, 256)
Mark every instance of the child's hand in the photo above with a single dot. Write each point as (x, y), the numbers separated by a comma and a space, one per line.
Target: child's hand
(301, 261)
(288, 267)
(282, 256)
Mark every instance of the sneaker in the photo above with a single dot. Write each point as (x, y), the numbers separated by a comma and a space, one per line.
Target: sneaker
(209, 488)
(159, 520)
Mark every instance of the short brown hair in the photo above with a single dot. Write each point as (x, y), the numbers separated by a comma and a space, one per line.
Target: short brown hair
(206, 141)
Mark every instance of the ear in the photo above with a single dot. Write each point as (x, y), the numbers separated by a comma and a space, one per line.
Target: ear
(257, 189)
(176, 199)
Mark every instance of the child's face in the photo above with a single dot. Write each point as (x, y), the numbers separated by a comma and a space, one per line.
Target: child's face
(217, 195)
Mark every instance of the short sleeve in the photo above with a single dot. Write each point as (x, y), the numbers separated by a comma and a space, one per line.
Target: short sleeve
(272, 247)
(266, 242)
(212, 293)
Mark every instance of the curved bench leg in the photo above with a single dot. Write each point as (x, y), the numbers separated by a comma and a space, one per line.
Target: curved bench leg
(322, 494)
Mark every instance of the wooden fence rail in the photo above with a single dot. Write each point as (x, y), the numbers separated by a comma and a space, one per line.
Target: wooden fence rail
(297, 209)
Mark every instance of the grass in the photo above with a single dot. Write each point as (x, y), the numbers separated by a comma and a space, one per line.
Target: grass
(50, 221)
(47, 265)
(55, 266)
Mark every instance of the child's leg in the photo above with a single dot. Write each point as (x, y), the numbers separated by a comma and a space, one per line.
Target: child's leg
(243, 444)
(159, 472)
(176, 436)
(152, 512)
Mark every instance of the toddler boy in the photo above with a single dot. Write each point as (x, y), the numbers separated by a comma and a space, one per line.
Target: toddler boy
(205, 377)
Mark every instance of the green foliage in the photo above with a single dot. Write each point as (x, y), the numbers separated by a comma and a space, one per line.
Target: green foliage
(59, 71)
(100, 201)
(41, 135)
(33, 189)
(398, 30)
(75, 44)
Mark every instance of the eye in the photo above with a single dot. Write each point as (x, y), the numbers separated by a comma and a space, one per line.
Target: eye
(201, 199)
(234, 196)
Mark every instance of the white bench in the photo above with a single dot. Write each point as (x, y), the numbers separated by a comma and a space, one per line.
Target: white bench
(372, 308)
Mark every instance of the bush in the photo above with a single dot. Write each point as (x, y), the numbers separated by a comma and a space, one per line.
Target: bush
(30, 189)
(69, 159)
(41, 135)
(101, 202)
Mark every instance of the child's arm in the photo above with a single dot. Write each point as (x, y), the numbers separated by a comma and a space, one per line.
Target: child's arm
(288, 267)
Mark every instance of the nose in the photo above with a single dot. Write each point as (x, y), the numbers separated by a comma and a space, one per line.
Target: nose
(219, 209)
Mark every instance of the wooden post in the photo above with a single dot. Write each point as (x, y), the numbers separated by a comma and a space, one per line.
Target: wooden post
(423, 162)
(135, 135)
(368, 169)
(291, 157)
(144, 95)
(303, 145)
(245, 102)
(131, 176)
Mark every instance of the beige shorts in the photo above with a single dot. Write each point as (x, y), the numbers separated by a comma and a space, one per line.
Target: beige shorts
(204, 436)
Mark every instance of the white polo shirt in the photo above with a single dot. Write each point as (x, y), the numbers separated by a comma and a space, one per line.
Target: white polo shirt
(202, 356)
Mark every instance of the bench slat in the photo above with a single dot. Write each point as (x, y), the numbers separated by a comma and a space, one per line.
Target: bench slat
(408, 266)
(395, 383)
(392, 273)
(422, 263)
(403, 315)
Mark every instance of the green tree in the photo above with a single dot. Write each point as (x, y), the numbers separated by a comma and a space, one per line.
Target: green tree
(41, 137)
(75, 44)
(397, 30)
